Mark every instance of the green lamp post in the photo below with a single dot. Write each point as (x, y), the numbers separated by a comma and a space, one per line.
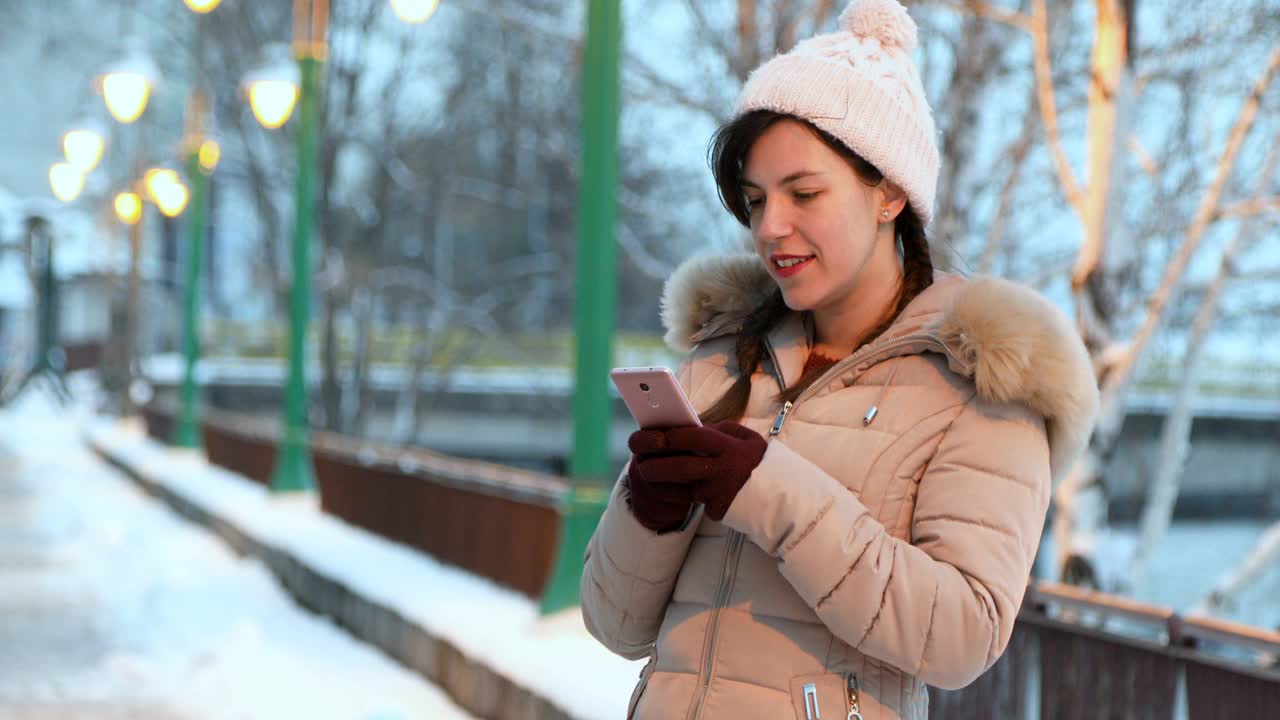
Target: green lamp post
(272, 95)
(201, 154)
(596, 300)
(201, 157)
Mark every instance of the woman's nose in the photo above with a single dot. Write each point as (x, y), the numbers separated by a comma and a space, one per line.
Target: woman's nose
(774, 221)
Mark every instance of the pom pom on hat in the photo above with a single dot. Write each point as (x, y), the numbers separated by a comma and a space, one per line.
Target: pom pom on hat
(884, 20)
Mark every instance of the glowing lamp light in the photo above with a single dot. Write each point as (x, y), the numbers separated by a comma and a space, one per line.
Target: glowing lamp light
(83, 148)
(414, 11)
(208, 156)
(157, 180)
(66, 181)
(273, 87)
(128, 208)
(126, 94)
(202, 6)
(172, 199)
(272, 101)
(126, 85)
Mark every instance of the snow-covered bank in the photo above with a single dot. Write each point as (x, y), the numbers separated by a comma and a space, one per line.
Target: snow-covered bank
(554, 657)
(112, 606)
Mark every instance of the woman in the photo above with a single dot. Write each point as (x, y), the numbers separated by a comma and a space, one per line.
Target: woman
(858, 515)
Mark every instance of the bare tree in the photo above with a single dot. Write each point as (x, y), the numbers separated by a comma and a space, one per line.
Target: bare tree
(1162, 493)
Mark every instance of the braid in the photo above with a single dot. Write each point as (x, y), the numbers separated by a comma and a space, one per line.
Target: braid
(750, 352)
(917, 261)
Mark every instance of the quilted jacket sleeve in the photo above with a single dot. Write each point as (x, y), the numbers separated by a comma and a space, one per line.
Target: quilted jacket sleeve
(942, 606)
(630, 572)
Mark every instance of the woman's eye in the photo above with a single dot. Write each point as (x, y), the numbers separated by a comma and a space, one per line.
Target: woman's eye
(754, 202)
(806, 195)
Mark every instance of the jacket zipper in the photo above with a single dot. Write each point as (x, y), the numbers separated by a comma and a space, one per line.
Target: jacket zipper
(852, 686)
(782, 418)
(713, 626)
(735, 538)
(727, 575)
(872, 351)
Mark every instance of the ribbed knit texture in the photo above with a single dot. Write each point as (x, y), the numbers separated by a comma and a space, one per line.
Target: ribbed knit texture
(861, 85)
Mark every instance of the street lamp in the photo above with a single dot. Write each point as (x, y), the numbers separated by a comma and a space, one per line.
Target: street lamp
(273, 88)
(165, 188)
(49, 359)
(202, 7)
(172, 199)
(128, 207)
(157, 179)
(273, 92)
(83, 147)
(201, 155)
(414, 11)
(596, 299)
(126, 86)
(272, 104)
(208, 155)
(66, 180)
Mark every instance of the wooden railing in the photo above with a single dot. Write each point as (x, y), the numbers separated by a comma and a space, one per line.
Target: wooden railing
(1077, 653)
(1073, 654)
(497, 522)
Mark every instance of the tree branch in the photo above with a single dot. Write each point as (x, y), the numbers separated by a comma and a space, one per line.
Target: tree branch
(673, 91)
(1117, 385)
(1049, 108)
(1144, 158)
(1013, 18)
(714, 39)
(1248, 208)
(1018, 156)
(820, 13)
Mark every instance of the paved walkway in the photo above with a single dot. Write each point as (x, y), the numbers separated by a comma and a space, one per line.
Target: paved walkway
(114, 607)
(51, 630)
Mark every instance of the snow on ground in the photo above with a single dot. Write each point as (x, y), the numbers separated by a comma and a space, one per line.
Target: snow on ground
(554, 656)
(113, 606)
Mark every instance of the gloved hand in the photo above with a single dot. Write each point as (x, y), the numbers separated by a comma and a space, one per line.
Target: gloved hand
(710, 463)
(659, 506)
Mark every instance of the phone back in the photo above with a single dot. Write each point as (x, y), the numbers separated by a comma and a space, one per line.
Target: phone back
(654, 397)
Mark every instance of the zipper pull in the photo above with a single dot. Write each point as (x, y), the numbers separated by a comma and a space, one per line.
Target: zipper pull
(782, 418)
(854, 713)
(811, 708)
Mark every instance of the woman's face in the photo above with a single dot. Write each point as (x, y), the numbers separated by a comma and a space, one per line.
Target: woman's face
(816, 225)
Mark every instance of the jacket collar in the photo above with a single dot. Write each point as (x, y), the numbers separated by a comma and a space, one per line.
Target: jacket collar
(1010, 340)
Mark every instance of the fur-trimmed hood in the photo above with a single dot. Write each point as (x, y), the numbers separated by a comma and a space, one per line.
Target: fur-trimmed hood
(1013, 343)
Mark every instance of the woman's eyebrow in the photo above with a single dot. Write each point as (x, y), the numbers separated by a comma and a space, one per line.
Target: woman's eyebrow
(788, 179)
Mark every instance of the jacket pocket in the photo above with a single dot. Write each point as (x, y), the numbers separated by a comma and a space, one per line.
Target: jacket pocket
(645, 674)
(820, 697)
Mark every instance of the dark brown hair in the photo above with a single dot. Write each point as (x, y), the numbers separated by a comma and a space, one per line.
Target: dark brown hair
(726, 154)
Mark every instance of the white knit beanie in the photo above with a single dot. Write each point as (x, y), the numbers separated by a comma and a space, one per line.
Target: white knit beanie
(860, 84)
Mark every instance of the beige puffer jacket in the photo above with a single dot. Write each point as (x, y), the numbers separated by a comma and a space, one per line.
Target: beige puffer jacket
(886, 538)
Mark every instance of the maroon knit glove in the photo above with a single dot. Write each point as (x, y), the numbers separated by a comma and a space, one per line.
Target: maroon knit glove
(714, 460)
(659, 506)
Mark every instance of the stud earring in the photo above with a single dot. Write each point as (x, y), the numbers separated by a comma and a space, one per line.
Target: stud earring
(884, 214)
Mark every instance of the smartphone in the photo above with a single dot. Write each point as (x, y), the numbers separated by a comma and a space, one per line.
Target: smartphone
(654, 397)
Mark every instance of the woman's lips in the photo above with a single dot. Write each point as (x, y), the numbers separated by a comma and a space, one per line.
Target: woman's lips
(792, 267)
